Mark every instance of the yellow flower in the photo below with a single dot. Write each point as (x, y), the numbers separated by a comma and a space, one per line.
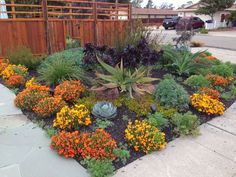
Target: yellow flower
(31, 82)
(73, 117)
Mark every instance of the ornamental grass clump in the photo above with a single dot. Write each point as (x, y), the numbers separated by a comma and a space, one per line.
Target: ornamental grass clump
(144, 137)
(97, 145)
(70, 91)
(49, 106)
(204, 103)
(28, 98)
(66, 143)
(171, 94)
(15, 81)
(60, 67)
(72, 118)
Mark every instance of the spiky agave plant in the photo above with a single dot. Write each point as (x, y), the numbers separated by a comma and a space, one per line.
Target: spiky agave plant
(125, 80)
(184, 63)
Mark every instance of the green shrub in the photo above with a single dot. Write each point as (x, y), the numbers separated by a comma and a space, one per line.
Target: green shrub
(230, 94)
(56, 71)
(99, 168)
(50, 131)
(197, 81)
(232, 65)
(24, 56)
(89, 100)
(139, 105)
(203, 31)
(72, 43)
(186, 124)
(122, 154)
(166, 112)
(157, 120)
(172, 95)
(75, 55)
(207, 53)
(103, 124)
(223, 70)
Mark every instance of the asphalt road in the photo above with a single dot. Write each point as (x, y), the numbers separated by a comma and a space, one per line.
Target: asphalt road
(224, 40)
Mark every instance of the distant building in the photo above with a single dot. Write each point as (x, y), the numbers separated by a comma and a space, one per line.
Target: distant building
(219, 17)
(152, 13)
(152, 16)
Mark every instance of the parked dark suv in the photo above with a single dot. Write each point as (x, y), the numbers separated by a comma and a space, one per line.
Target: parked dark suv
(190, 23)
(170, 22)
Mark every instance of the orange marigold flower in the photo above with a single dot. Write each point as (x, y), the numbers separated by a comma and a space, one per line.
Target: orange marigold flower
(204, 103)
(144, 137)
(15, 81)
(212, 58)
(98, 145)
(49, 106)
(66, 143)
(217, 80)
(214, 94)
(70, 90)
(29, 97)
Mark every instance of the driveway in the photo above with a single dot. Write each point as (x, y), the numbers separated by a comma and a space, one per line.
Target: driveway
(224, 40)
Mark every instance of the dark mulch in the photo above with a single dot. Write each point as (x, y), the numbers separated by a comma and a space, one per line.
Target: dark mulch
(120, 124)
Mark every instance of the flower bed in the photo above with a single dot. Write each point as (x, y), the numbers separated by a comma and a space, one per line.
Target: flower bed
(119, 108)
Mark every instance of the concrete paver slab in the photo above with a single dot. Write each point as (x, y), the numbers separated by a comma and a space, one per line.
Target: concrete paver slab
(42, 161)
(217, 141)
(26, 135)
(7, 102)
(7, 109)
(10, 171)
(13, 121)
(12, 154)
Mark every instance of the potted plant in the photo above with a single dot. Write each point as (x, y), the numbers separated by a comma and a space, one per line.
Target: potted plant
(232, 18)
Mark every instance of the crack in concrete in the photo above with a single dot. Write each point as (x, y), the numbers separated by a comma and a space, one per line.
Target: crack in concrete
(214, 151)
(8, 165)
(226, 131)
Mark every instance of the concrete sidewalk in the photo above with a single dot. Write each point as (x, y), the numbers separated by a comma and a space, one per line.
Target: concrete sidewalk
(213, 154)
(222, 54)
(24, 148)
(223, 33)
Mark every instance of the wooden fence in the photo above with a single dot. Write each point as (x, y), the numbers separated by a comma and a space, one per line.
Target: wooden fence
(44, 27)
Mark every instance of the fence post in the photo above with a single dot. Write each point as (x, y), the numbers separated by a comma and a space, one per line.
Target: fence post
(46, 26)
(13, 9)
(130, 12)
(95, 22)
